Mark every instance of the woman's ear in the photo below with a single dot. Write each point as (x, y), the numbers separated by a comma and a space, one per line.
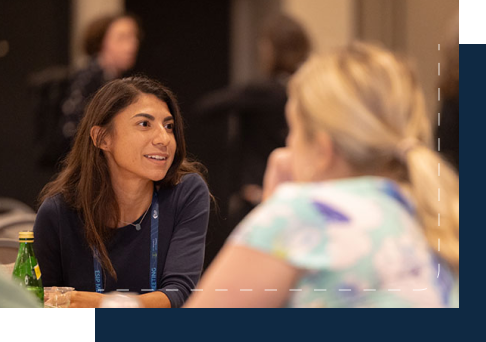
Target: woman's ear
(95, 133)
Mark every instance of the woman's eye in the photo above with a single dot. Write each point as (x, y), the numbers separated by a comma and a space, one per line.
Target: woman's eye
(144, 124)
(169, 127)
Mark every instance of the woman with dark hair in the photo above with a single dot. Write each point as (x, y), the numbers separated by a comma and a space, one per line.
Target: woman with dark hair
(128, 211)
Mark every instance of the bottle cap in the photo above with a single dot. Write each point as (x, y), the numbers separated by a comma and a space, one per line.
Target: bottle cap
(26, 236)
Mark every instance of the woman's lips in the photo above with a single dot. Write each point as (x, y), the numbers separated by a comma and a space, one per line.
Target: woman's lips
(157, 158)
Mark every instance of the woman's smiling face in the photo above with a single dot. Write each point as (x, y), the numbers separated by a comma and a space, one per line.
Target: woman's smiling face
(142, 142)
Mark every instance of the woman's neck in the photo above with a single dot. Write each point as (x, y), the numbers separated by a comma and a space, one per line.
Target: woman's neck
(134, 198)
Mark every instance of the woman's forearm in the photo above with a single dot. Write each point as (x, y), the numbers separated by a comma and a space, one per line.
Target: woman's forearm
(154, 299)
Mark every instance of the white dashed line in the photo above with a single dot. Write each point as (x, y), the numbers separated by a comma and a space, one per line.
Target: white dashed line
(439, 47)
(438, 272)
(320, 290)
(369, 290)
(295, 290)
(172, 290)
(268, 290)
(196, 290)
(344, 289)
(438, 145)
(221, 290)
(438, 94)
(147, 290)
(438, 119)
(246, 290)
(123, 290)
(439, 69)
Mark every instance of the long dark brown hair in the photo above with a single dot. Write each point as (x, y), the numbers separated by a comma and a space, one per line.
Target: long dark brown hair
(84, 181)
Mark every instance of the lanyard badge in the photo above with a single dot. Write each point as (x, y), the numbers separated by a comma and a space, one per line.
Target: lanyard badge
(154, 235)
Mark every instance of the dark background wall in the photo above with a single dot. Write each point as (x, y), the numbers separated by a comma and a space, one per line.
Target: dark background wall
(186, 46)
(38, 36)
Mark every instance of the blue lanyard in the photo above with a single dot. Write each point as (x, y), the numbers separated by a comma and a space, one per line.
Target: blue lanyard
(154, 236)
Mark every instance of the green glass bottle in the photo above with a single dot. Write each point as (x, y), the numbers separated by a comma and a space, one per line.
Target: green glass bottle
(26, 272)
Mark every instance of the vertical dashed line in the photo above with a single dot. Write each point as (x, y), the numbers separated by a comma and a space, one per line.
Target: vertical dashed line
(438, 166)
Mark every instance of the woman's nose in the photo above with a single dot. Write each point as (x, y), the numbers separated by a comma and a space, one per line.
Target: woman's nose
(162, 137)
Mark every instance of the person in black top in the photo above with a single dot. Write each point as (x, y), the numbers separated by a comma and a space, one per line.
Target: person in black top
(111, 42)
(60, 96)
(128, 211)
(258, 109)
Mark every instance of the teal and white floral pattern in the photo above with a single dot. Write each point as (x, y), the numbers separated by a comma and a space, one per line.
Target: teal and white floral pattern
(357, 241)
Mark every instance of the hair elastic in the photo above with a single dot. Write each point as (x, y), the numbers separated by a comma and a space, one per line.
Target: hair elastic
(404, 146)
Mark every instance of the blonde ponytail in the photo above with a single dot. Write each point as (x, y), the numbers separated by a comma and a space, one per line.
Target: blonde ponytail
(435, 187)
(370, 103)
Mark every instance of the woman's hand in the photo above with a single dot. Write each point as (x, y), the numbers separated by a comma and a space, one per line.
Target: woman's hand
(278, 171)
(83, 299)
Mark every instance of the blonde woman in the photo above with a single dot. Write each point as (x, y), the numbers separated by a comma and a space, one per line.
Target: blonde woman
(358, 225)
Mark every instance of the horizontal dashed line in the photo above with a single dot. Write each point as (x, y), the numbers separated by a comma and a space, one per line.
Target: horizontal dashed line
(272, 290)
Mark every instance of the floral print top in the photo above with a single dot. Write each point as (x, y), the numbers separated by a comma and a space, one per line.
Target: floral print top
(357, 241)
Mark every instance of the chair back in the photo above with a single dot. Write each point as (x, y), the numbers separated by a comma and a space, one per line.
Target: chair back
(15, 217)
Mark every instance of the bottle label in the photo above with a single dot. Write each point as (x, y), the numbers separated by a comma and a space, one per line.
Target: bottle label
(37, 271)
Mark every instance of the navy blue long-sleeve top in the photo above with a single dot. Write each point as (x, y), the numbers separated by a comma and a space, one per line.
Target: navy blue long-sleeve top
(65, 258)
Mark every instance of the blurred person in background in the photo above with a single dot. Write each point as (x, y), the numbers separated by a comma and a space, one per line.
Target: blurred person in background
(128, 210)
(356, 226)
(111, 43)
(259, 109)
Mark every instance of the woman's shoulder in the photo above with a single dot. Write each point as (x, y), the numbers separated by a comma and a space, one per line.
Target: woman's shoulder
(50, 215)
(193, 181)
(333, 190)
(54, 204)
(190, 184)
(343, 202)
